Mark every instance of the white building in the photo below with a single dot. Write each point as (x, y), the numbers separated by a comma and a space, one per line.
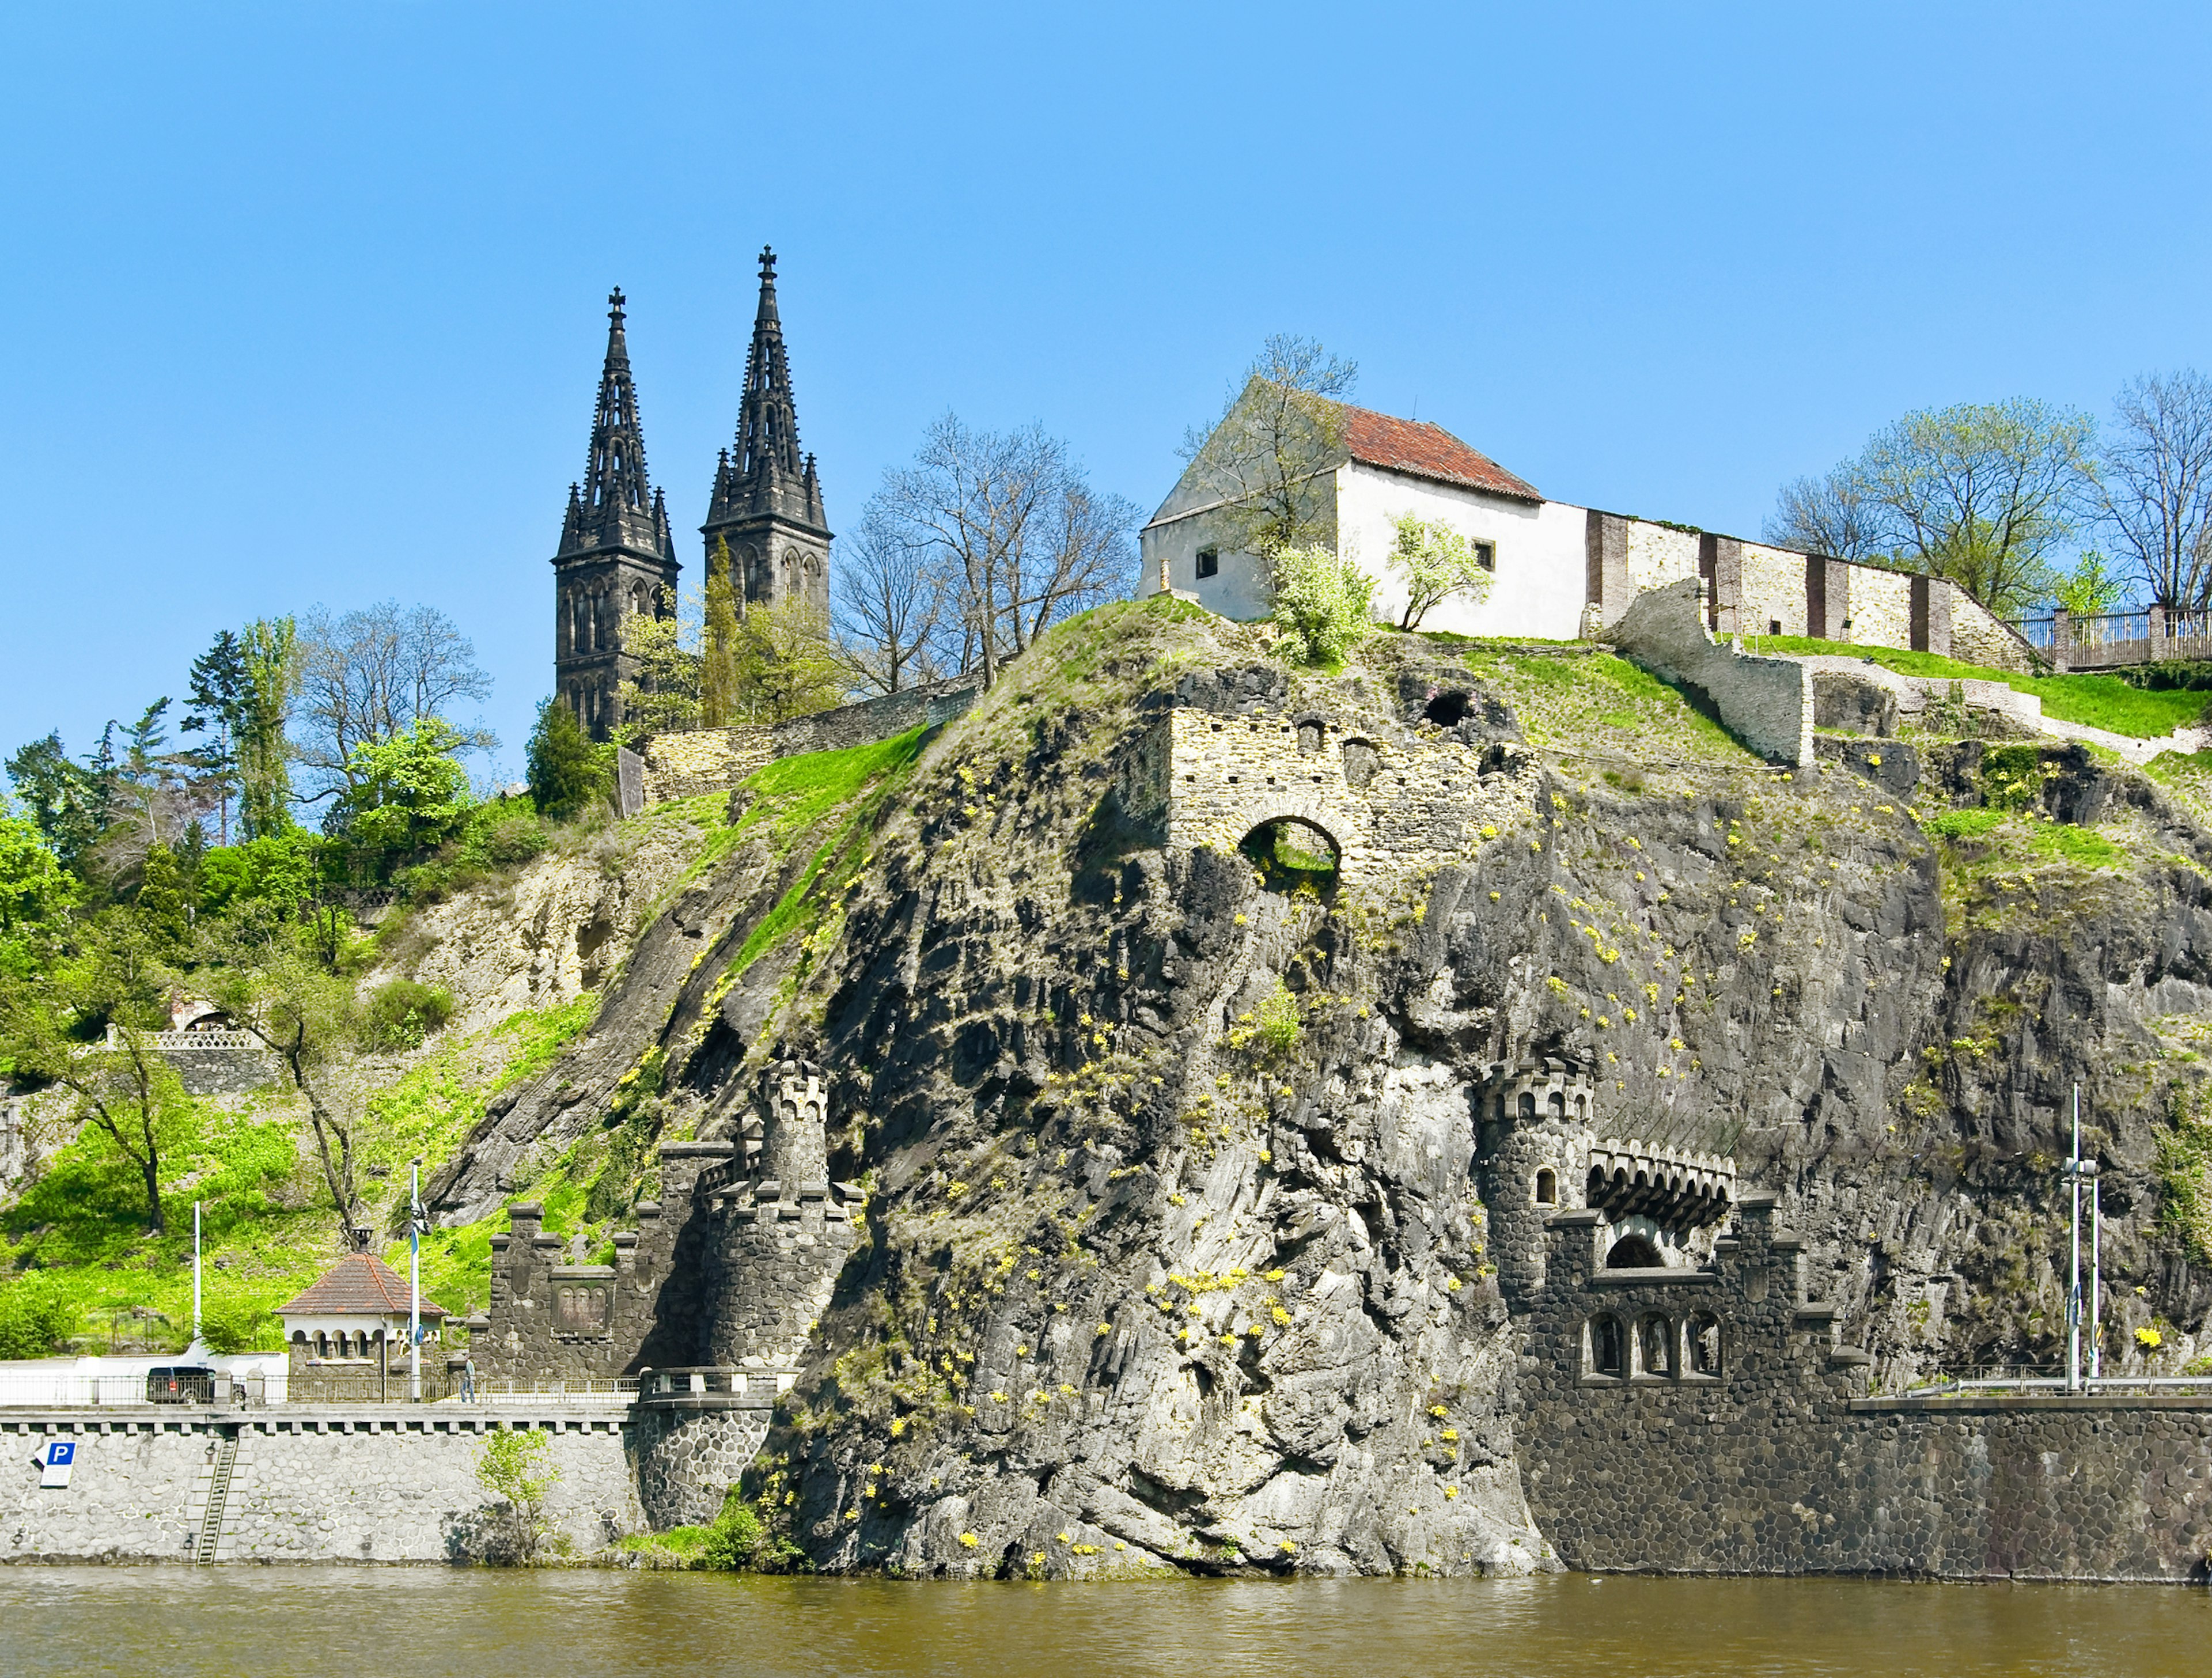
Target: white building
(354, 1318)
(1558, 571)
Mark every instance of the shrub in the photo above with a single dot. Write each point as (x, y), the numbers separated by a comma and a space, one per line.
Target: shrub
(739, 1542)
(36, 1320)
(1965, 824)
(1278, 1023)
(233, 1326)
(515, 839)
(513, 1467)
(1324, 604)
(402, 1013)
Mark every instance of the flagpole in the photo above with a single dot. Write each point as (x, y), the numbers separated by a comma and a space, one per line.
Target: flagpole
(196, 1270)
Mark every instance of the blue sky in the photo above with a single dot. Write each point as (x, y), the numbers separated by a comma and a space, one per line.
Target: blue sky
(306, 303)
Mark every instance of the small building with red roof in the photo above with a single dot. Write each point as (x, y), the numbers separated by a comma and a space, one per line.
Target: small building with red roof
(354, 1318)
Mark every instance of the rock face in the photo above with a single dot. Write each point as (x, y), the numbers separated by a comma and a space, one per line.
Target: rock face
(1174, 1255)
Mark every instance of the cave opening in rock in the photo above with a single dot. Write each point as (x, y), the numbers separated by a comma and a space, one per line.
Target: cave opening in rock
(1445, 710)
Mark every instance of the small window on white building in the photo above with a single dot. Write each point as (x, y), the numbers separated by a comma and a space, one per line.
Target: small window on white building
(1209, 562)
(1486, 555)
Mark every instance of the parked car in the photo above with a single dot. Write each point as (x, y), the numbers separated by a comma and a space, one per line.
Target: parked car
(181, 1383)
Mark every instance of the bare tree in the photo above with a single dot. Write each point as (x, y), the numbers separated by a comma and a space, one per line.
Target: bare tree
(889, 602)
(1267, 456)
(371, 675)
(1014, 535)
(2154, 491)
(1829, 514)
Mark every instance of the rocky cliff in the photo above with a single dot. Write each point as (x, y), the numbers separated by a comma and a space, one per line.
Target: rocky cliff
(1174, 1255)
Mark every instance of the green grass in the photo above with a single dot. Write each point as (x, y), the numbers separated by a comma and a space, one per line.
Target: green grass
(1605, 705)
(2099, 701)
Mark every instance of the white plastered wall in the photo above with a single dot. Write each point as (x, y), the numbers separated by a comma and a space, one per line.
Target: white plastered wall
(1239, 590)
(1542, 570)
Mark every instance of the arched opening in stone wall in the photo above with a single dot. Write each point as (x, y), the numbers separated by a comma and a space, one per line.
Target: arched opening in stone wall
(1608, 1348)
(1293, 855)
(1703, 1336)
(1654, 1349)
(1547, 1187)
(1632, 1252)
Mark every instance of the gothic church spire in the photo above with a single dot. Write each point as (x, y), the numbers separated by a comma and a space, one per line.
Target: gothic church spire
(618, 555)
(767, 503)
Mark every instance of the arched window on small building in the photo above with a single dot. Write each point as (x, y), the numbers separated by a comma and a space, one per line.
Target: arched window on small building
(1607, 1348)
(1703, 1335)
(1527, 1103)
(1654, 1347)
(1556, 1105)
(1632, 1252)
(1547, 1187)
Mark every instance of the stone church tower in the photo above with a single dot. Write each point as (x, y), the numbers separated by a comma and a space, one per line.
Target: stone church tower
(768, 503)
(616, 555)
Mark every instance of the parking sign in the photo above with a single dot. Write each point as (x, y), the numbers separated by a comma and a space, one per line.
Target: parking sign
(56, 1462)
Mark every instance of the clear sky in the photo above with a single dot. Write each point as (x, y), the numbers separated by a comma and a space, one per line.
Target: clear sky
(306, 302)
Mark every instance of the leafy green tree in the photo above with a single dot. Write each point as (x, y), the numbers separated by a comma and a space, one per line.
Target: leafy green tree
(1439, 563)
(515, 1465)
(120, 1085)
(67, 800)
(565, 769)
(2090, 589)
(1324, 604)
(407, 795)
(163, 902)
(281, 870)
(36, 895)
(787, 665)
(720, 700)
(665, 696)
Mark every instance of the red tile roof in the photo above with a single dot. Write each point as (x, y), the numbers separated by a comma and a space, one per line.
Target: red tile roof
(1427, 451)
(361, 1286)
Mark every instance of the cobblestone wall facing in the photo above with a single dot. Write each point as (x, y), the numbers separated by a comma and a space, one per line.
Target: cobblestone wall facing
(1780, 1463)
(688, 1460)
(382, 1484)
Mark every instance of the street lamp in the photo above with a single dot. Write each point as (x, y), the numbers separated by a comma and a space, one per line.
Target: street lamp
(415, 1281)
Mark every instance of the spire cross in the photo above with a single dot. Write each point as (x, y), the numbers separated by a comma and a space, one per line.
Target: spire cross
(615, 306)
(767, 264)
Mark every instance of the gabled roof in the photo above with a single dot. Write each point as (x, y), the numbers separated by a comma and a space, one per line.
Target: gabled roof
(1425, 450)
(361, 1285)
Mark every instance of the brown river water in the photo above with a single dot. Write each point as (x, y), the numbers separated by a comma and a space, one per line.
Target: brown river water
(174, 1623)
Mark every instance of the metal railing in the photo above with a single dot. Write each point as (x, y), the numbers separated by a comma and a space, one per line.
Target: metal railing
(2037, 632)
(1999, 1381)
(43, 1390)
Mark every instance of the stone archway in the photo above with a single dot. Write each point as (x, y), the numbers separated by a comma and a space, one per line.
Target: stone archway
(1292, 848)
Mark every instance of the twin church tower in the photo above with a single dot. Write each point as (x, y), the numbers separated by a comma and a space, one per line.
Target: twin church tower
(617, 554)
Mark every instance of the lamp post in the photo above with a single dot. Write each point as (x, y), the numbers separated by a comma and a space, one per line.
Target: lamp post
(196, 1270)
(2076, 1171)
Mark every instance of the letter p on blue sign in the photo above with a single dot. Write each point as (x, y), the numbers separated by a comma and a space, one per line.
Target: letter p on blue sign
(56, 1460)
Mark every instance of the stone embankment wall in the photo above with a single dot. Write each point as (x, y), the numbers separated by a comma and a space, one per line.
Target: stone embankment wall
(1727, 1432)
(1765, 702)
(712, 760)
(385, 1483)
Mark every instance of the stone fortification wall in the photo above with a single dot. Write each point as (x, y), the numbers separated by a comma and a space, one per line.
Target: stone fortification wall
(690, 1451)
(714, 760)
(1733, 1434)
(216, 1063)
(552, 1317)
(1394, 799)
(1977, 636)
(386, 1483)
(1882, 608)
(1765, 702)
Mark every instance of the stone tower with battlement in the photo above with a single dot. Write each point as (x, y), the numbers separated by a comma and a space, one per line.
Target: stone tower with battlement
(767, 503)
(617, 556)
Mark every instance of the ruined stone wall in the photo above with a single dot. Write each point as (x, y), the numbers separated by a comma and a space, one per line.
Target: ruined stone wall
(1765, 702)
(1659, 555)
(685, 764)
(1779, 1463)
(379, 1483)
(1977, 636)
(1394, 799)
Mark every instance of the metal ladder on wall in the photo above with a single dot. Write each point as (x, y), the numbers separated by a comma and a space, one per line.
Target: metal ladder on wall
(226, 1459)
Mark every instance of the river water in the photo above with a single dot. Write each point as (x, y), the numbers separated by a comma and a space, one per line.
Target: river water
(400, 1622)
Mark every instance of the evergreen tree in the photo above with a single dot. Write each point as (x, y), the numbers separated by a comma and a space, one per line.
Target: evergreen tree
(269, 653)
(65, 800)
(220, 685)
(719, 695)
(566, 773)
